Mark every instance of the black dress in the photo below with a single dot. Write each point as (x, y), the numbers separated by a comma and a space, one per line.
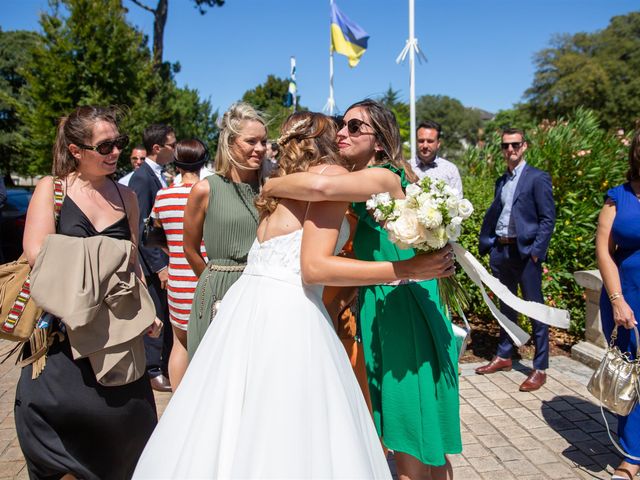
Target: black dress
(67, 422)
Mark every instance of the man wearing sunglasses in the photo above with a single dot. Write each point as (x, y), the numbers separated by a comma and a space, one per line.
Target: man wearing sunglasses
(428, 163)
(516, 232)
(138, 154)
(159, 142)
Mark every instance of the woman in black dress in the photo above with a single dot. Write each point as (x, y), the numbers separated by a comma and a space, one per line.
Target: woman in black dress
(68, 425)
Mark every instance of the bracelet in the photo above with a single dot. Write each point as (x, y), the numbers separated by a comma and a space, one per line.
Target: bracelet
(614, 295)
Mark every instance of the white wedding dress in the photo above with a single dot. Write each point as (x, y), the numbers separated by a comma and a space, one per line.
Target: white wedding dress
(270, 393)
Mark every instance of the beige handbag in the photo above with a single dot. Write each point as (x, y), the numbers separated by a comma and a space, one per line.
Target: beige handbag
(615, 383)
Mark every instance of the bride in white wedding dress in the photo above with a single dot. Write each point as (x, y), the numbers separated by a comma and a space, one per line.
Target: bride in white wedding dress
(270, 392)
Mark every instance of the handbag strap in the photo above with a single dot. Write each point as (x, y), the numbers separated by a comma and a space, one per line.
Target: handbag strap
(58, 197)
(614, 336)
(615, 444)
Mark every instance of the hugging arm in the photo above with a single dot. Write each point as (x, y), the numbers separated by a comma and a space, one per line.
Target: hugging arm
(348, 187)
(320, 266)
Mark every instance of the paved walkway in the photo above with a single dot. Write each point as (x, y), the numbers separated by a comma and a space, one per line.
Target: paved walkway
(555, 433)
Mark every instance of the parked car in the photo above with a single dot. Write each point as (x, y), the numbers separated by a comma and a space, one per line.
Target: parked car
(14, 214)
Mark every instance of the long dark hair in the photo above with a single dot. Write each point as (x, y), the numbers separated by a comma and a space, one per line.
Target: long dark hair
(387, 134)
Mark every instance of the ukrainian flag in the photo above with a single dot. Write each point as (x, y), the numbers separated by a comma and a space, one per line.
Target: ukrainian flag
(347, 38)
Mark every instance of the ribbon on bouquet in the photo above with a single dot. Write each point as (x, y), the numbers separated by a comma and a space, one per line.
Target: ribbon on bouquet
(552, 316)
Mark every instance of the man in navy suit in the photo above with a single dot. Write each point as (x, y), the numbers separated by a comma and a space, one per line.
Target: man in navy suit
(159, 142)
(515, 232)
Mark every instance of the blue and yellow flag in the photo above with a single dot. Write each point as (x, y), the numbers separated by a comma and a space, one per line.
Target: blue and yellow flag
(347, 38)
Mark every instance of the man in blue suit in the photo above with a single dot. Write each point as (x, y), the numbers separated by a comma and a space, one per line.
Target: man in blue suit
(515, 232)
(159, 142)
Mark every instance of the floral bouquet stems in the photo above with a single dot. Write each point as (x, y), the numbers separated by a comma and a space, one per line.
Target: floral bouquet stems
(428, 218)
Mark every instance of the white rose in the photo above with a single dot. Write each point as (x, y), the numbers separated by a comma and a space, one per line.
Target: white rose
(465, 208)
(406, 230)
(453, 231)
(452, 206)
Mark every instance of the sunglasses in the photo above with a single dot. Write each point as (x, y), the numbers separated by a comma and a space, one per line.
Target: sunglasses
(514, 145)
(171, 145)
(353, 127)
(105, 148)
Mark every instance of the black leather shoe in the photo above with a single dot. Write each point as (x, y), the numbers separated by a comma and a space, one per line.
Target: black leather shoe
(160, 383)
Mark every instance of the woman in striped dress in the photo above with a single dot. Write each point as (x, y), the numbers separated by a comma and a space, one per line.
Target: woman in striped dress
(168, 212)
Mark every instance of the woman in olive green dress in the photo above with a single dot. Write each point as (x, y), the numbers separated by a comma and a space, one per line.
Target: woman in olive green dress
(410, 352)
(221, 212)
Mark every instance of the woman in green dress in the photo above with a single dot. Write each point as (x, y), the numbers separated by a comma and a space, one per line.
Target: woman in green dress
(221, 211)
(409, 347)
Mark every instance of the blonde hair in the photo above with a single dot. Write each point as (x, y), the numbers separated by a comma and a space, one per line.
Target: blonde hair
(306, 139)
(77, 128)
(230, 129)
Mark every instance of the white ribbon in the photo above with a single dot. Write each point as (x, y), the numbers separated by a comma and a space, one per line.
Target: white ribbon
(555, 317)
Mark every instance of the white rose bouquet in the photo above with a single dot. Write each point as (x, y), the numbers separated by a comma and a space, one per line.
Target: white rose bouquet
(428, 218)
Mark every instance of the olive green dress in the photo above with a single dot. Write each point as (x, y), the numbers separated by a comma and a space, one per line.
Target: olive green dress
(229, 230)
(410, 355)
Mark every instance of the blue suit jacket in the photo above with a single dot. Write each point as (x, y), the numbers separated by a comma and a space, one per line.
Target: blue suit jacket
(533, 212)
(146, 184)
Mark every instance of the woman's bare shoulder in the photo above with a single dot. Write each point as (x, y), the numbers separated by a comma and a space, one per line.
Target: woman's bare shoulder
(328, 169)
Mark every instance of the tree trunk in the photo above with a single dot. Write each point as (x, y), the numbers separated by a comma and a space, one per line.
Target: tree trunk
(160, 19)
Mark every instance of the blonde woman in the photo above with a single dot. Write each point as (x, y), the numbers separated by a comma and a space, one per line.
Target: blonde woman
(221, 211)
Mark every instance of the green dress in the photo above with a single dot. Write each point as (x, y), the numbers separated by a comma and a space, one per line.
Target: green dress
(229, 230)
(410, 354)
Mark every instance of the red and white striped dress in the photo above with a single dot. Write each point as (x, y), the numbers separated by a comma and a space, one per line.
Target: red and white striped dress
(169, 209)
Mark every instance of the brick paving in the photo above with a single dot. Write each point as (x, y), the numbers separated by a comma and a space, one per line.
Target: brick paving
(554, 433)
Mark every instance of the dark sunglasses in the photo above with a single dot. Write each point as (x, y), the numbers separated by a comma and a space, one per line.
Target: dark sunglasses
(171, 145)
(514, 145)
(105, 148)
(353, 127)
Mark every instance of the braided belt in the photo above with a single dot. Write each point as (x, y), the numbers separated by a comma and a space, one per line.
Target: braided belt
(226, 268)
(216, 302)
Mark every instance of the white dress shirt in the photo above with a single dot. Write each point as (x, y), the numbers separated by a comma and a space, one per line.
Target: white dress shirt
(438, 169)
(157, 169)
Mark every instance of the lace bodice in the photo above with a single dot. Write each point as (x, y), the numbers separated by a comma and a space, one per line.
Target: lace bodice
(279, 257)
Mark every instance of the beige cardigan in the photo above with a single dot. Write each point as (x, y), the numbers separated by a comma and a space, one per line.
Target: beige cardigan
(90, 284)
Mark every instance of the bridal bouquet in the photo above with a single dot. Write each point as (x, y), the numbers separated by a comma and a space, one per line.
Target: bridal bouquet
(428, 218)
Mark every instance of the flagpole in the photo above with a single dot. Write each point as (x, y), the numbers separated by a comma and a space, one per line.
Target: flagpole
(411, 48)
(293, 78)
(412, 80)
(331, 103)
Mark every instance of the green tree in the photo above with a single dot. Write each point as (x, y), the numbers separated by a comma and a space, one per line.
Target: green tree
(391, 100)
(160, 14)
(268, 98)
(594, 70)
(15, 51)
(461, 126)
(93, 56)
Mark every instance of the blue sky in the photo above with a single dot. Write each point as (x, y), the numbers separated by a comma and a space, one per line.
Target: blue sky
(479, 51)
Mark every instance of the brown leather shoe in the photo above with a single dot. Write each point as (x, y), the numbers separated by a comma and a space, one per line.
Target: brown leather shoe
(496, 365)
(534, 381)
(160, 383)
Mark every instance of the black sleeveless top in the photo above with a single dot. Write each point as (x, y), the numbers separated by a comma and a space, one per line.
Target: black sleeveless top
(74, 223)
(66, 421)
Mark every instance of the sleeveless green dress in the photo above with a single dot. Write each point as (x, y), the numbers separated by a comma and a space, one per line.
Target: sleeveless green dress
(229, 230)
(410, 354)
